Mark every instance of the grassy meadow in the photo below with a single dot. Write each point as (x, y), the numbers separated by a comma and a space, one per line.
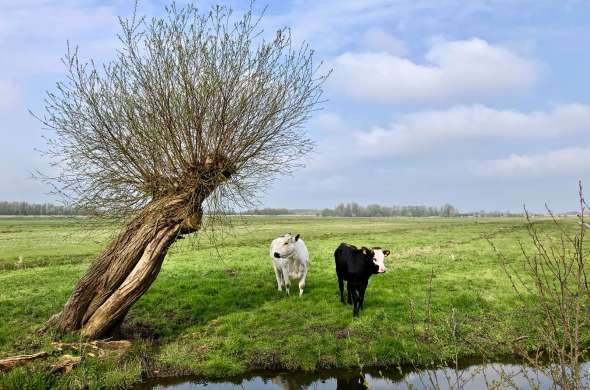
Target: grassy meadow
(215, 310)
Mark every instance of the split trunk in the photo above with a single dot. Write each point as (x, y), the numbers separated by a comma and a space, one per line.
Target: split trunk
(126, 268)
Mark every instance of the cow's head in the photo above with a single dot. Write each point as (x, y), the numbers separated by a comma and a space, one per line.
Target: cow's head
(377, 255)
(284, 246)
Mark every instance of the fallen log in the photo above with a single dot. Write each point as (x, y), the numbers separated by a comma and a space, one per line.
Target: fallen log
(65, 364)
(119, 347)
(8, 363)
(98, 347)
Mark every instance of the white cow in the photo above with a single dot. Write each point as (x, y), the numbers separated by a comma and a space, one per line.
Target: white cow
(289, 260)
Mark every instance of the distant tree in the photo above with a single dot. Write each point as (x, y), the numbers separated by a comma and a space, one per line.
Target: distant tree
(192, 115)
(355, 210)
(448, 211)
(373, 210)
(327, 213)
(348, 210)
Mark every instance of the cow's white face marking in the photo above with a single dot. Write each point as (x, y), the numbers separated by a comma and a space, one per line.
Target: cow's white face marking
(379, 259)
(284, 246)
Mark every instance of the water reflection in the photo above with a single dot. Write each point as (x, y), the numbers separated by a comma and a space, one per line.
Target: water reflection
(490, 376)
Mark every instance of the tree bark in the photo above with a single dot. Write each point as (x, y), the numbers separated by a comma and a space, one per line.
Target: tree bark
(126, 268)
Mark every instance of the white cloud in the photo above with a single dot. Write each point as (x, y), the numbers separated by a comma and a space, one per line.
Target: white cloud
(328, 24)
(572, 161)
(377, 40)
(425, 130)
(34, 33)
(53, 19)
(456, 69)
(330, 122)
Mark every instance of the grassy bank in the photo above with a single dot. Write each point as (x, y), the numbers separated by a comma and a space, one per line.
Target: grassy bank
(215, 311)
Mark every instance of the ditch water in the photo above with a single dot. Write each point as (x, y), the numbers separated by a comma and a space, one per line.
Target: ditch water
(475, 376)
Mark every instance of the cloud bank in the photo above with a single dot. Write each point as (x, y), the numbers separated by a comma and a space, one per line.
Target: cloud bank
(426, 130)
(571, 161)
(451, 70)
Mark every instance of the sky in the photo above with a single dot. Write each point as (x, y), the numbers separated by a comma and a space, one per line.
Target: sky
(482, 104)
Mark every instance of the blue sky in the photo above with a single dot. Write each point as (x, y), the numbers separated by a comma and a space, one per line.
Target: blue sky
(482, 104)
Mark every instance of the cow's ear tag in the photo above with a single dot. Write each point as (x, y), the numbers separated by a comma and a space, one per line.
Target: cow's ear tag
(386, 252)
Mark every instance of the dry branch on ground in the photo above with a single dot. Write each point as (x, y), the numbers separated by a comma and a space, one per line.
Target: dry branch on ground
(9, 363)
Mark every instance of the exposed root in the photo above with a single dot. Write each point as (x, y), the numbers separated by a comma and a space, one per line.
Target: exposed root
(49, 324)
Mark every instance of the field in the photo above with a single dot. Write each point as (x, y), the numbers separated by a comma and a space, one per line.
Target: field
(215, 311)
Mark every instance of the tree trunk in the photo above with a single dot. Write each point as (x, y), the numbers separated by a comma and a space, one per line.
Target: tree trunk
(126, 268)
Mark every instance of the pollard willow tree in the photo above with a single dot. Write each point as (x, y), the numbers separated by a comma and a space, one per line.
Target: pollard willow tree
(191, 115)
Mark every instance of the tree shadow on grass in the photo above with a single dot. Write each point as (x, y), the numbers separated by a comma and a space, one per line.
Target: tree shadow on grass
(176, 303)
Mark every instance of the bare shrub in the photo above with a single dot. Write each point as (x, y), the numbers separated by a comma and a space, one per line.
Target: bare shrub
(553, 295)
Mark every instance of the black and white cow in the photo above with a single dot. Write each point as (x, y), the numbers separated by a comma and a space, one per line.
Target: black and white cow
(356, 265)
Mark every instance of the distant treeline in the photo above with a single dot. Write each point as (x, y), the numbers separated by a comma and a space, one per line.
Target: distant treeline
(351, 210)
(355, 210)
(269, 211)
(342, 210)
(375, 210)
(492, 214)
(25, 208)
(279, 211)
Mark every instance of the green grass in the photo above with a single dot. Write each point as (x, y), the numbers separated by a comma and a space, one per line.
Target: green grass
(215, 311)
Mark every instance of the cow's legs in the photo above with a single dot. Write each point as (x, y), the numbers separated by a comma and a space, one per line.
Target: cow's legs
(362, 289)
(349, 289)
(356, 299)
(302, 283)
(286, 280)
(279, 277)
(341, 287)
